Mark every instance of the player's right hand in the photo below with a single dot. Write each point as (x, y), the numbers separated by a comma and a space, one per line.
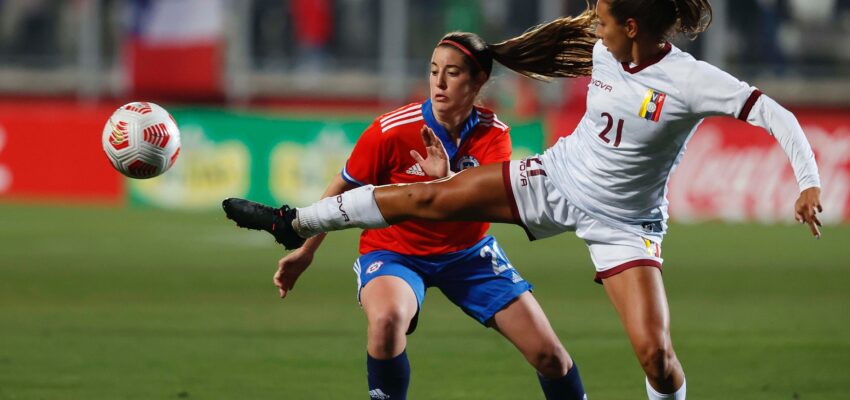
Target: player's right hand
(289, 268)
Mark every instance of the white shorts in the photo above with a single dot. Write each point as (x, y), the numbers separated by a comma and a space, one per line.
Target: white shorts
(541, 209)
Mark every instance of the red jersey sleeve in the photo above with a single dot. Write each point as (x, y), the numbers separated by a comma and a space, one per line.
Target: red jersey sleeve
(366, 161)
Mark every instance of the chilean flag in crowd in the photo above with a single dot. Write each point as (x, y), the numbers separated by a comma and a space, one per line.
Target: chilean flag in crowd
(175, 48)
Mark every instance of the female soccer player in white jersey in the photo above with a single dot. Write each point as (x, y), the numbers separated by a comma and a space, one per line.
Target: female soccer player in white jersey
(607, 181)
(399, 262)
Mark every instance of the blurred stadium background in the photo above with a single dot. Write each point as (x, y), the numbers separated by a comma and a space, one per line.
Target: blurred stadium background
(111, 288)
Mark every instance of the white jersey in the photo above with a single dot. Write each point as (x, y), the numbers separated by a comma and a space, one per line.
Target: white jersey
(618, 161)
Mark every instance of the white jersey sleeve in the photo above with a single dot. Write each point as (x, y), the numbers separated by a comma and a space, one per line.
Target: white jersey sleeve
(711, 91)
(715, 92)
(781, 124)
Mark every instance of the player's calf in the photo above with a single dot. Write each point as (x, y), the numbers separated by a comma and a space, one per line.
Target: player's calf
(567, 387)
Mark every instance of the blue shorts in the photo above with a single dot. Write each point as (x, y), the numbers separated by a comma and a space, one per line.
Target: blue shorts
(480, 280)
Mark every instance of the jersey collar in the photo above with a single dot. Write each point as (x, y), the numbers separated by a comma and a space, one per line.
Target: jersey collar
(637, 68)
(448, 143)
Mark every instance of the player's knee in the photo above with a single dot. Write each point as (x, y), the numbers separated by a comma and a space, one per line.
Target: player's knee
(386, 332)
(551, 361)
(388, 322)
(657, 358)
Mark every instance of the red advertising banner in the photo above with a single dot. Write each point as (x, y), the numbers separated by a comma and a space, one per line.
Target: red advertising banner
(52, 151)
(733, 171)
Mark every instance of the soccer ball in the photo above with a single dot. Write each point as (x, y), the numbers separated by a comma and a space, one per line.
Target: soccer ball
(141, 140)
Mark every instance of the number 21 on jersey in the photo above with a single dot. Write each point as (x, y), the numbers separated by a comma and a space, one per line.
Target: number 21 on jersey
(607, 130)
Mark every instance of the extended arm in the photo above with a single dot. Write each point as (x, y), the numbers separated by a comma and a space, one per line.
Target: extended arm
(781, 123)
(726, 95)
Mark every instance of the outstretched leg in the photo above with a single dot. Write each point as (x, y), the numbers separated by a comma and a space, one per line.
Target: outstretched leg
(639, 298)
(477, 194)
(526, 326)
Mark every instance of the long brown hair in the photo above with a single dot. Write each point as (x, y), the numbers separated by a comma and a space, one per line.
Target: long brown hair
(660, 18)
(561, 48)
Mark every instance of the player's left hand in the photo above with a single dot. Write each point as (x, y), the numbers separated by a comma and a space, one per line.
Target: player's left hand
(437, 163)
(806, 209)
(289, 268)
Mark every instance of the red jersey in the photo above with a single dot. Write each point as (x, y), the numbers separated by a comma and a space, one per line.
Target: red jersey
(382, 156)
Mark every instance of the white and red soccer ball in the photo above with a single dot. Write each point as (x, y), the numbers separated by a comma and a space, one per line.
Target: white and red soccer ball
(141, 140)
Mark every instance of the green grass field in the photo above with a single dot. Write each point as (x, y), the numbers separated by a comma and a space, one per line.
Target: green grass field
(110, 303)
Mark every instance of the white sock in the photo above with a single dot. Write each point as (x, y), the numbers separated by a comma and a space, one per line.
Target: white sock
(354, 208)
(652, 394)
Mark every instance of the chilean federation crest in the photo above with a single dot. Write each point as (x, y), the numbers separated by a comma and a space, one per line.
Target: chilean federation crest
(374, 267)
(467, 162)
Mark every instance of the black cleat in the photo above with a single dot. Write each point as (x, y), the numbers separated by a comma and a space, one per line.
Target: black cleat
(277, 221)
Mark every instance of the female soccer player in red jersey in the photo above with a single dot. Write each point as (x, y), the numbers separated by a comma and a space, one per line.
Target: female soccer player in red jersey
(606, 182)
(398, 263)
